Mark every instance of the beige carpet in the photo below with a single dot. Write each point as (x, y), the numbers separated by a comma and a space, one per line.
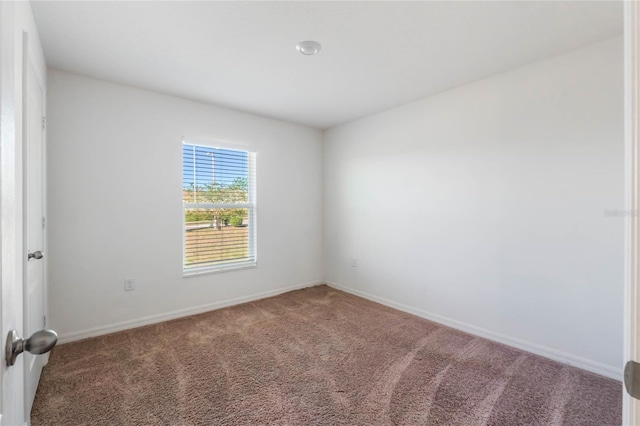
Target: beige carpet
(313, 357)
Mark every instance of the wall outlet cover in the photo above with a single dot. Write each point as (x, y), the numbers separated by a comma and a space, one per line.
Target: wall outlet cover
(129, 284)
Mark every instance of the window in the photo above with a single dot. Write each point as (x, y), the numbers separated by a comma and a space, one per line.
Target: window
(219, 203)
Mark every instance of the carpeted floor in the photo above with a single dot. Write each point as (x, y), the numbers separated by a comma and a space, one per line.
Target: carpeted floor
(316, 356)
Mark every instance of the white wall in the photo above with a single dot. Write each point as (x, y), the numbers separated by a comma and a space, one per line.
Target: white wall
(115, 205)
(484, 207)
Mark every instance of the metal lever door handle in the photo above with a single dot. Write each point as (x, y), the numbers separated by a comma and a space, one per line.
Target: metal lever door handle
(35, 255)
(40, 342)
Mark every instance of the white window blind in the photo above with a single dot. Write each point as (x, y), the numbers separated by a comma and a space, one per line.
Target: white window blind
(219, 203)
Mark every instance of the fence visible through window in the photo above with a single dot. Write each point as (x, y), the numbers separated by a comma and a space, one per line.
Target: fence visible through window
(218, 191)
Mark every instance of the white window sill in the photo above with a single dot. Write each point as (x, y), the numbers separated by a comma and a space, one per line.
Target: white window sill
(195, 272)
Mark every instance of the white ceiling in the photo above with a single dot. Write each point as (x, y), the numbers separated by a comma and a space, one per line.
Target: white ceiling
(375, 55)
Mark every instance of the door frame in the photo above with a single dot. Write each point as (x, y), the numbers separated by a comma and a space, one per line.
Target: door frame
(631, 351)
(28, 62)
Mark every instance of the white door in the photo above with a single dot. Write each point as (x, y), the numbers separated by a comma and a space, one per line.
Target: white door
(34, 296)
(12, 378)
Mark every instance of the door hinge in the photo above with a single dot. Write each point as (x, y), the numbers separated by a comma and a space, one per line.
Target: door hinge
(43, 223)
(44, 321)
(44, 123)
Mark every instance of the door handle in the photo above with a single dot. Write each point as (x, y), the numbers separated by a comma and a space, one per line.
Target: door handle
(40, 342)
(35, 255)
(632, 379)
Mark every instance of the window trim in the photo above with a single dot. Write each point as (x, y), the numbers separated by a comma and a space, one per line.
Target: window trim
(251, 206)
(206, 270)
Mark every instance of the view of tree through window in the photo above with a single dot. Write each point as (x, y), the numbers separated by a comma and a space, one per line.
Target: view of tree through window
(217, 190)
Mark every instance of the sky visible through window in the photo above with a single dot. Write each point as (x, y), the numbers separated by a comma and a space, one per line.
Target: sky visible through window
(212, 165)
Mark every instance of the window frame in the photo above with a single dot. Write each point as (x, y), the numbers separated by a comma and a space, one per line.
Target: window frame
(250, 205)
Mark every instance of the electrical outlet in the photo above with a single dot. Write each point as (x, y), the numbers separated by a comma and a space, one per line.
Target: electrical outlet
(354, 263)
(129, 284)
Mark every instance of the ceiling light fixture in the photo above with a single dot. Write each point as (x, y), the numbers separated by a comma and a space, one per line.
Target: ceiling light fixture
(308, 47)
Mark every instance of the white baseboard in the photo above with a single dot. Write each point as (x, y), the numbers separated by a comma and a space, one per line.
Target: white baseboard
(153, 319)
(563, 357)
